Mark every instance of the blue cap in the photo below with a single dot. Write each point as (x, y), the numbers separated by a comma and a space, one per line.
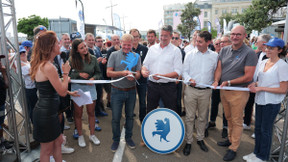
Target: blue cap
(275, 42)
(22, 49)
(75, 35)
(27, 43)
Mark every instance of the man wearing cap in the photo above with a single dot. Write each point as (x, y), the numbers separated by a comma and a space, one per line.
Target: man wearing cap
(236, 66)
(27, 45)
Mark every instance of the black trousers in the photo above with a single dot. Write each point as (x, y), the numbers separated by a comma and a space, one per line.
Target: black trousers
(166, 91)
(249, 109)
(215, 100)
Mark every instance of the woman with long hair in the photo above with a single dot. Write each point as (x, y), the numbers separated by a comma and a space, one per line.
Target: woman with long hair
(84, 66)
(270, 88)
(46, 128)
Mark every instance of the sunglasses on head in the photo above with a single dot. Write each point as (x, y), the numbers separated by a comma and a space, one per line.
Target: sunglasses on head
(42, 28)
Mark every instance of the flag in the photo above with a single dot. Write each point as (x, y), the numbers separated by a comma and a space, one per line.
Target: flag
(160, 24)
(209, 26)
(80, 19)
(117, 24)
(218, 26)
(224, 26)
(198, 27)
(176, 19)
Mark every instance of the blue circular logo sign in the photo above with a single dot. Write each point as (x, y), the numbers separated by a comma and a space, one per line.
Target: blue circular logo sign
(163, 131)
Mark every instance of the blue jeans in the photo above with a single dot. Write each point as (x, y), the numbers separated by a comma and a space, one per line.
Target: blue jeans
(142, 91)
(118, 98)
(265, 117)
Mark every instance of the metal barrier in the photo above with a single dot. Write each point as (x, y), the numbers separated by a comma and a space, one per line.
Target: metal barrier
(18, 125)
(279, 145)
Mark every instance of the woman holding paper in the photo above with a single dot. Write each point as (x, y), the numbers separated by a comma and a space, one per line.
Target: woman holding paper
(84, 67)
(46, 127)
(270, 88)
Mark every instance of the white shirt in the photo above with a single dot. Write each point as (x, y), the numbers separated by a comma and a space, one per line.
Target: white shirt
(163, 60)
(189, 48)
(200, 67)
(29, 84)
(271, 78)
(262, 54)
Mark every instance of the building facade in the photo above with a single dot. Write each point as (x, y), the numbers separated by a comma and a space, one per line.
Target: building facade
(210, 10)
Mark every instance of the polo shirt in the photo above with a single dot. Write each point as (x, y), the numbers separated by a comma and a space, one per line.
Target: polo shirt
(233, 63)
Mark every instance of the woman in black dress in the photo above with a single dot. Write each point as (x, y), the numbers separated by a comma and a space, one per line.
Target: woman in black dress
(46, 128)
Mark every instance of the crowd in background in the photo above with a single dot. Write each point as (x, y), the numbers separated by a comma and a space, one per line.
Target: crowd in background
(48, 63)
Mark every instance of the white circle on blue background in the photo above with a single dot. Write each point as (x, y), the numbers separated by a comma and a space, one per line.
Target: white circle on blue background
(175, 136)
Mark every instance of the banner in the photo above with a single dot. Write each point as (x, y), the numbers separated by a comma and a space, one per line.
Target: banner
(209, 26)
(176, 19)
(117, 24)
(80, 19)
(198, 27)
(218, 26)
(225, 26)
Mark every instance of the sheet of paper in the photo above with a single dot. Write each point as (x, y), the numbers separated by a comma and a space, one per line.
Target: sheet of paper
(83, 99)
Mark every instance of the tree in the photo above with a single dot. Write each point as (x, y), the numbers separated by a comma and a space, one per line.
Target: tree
(259, 14)
(26, 25)
(228, 17)
(188, 24)
(213, 32)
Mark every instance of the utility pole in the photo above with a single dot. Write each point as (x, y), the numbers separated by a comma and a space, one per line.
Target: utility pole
(111, 6)
(286, 26)
(123, 17)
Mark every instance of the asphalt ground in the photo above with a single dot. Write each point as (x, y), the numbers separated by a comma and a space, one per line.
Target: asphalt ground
(93, 153)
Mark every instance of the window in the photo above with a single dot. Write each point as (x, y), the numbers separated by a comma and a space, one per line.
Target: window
(205, 23)
(234, 10)
(205, 14)
(216, 12)
(224, 11)
(244, 9)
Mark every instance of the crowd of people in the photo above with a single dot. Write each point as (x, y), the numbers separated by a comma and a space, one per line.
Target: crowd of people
(48, 65)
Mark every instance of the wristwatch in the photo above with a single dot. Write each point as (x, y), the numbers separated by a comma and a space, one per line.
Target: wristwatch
(229, 83)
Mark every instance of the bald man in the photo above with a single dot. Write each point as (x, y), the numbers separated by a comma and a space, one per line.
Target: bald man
(236, 66)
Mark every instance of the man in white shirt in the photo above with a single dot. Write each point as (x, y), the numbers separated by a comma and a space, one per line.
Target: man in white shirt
(199, 67)
(163, 59)
(192, 44)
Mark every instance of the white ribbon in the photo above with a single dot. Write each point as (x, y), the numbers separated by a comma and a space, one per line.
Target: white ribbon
(204, 85)
(101, 81)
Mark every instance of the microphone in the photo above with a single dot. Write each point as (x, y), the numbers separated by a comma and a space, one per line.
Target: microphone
(63, 56)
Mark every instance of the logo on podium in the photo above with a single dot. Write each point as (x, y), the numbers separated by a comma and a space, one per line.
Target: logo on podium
(163, 131)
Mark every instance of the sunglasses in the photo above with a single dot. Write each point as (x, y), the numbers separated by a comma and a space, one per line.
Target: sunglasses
(217, 44)
(42, 28)
(176, 38)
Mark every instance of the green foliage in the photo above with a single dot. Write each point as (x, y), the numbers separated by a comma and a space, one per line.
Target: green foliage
(228, 17)
(26, 25)
(259, 14)
(188, 24)
(213, 32)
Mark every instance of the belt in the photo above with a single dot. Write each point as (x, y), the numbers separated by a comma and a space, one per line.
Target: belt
(200, 88)
(162, 83)
(123, 89)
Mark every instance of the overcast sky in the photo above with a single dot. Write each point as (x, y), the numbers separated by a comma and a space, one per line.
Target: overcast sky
(140, 14)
